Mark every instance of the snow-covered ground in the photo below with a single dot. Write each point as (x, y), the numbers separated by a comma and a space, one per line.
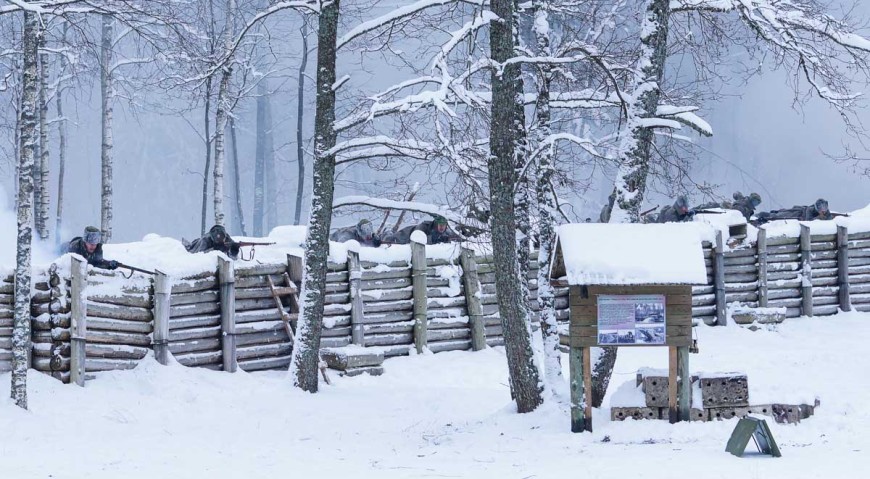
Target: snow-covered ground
(444, 415)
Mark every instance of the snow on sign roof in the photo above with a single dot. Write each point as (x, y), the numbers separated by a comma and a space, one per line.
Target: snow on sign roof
(627, 254)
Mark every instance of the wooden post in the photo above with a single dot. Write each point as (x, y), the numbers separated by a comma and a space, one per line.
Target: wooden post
(227, 280)
(807, 272)
(719, 279)
(684, 395)
(160, 341)
(587, 387)
(354, 271)
(294, 264)
(79, 320)
(843, 268)
(418, 279)
(761, 246)
(472, 299)
(578, 402)
(673, 411)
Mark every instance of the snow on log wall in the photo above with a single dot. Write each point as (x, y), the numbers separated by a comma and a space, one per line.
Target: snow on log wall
(7, 314)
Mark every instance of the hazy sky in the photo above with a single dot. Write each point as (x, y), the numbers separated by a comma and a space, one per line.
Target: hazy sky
(760, 144)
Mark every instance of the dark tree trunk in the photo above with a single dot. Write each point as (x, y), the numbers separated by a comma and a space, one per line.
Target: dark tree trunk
(300, 113)
(506, 130)
(240, 212)
(306, 349)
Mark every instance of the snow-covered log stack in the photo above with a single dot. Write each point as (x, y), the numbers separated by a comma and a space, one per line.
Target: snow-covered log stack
(859, 270)
(387, 300)
(447, 312)
(261, 338)
(195, 320)
(704, 297)
(337, 309)
(7, 313)
(50, 324)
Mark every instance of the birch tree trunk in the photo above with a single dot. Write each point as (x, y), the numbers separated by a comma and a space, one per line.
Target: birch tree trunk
(27, 137)
(41, 165)
(240, 212)
(636, 139)
(303, 368)
(505, 133)
(634, 150)
(260, 159)
(221, 116)
(205, 174)
(107, 95)
(61, 133)
(300, 115)
(546, 203)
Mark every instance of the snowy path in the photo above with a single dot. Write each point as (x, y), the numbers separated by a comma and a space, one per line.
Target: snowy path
(447, 415)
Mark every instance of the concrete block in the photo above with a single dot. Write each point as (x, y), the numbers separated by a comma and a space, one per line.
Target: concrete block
(623, 413)
(725, 390)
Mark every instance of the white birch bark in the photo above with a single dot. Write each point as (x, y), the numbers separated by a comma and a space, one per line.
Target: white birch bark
(107, 94)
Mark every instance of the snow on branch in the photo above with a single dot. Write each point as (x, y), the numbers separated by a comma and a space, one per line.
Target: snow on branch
(415, 206)
(686, 116)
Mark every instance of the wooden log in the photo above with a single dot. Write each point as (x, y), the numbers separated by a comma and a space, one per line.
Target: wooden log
(337, 298)
(119, 325)
(194, 333)
(783, 249)
(843, 268)
(128, 313)
(740, 269)
(199, 359)
(784, 293)
(78, 333)
(719, 278)
(113, 337)
(806, 271)
(248, 269)
(194, 321)
(122, 300)
(391, 264)
(261, 281)
(453, 345)
(860, 253)
(277, 335)
(369, 275)
(337, 277)
(388, 328)
(55, 307)
(732, 255)
(197, 309)
(472, 285)
(709, 289)
(855, 260)
(372, 296)
(418, 279)
(101, 364)
(449, 334)
(395, 283)
(252, 293)
(783, 258)
(227, 280)
(254, 304)
(193, 286)
(827, 237)
(825, 310)
(336, 322)
(740, 277)
(741, 297)
(356, 297)
(194, 346)
(337, 288)
(115, 351)
(279, 362)
(741, 287)
(207, 296)
(335, 342)
(389, 339)
(704, 300)
(262, 315)
(263, 351)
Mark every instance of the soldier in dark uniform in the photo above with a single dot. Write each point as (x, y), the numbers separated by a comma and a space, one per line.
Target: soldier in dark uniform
(746, 204)
(677, 213)
(363, 232)
(816, 211)
(436, 230)
(90, 247)
(217, 239)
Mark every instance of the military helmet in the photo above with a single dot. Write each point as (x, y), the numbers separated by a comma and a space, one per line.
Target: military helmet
(218, 234)
(738, 195)
(755, 199)
(439, 220)
(821, 204)
(681, 203)
(365, 228)
(92, 235)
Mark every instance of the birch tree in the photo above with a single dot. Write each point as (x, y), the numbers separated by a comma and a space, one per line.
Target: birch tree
(27, 137)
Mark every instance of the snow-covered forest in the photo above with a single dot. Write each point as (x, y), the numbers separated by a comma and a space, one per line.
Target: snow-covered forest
(154, 123)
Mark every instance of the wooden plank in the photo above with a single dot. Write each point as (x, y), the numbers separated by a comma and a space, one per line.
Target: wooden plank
(587, 386)
(79, 321)
(684, 392)
(395, 283)
(418, 267)
(119, 325)
(226, 278)
(248, 269)
(843, 268)
(162, 299)
(113, 337)
(578, 409)
(673, 361)
(195, 346)
(194, 321)
(806, 272)
(122, 300)
(195, 333)
(192, 286)
(472, 299)
(197, 309)
(208, 296)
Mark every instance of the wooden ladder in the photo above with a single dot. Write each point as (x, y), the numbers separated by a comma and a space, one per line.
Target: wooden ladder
(288, 319)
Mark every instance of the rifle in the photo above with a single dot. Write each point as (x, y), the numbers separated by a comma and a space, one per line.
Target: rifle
(644, 213)
(708, 212)
(132, 269)
(252, 244)
(834, 215)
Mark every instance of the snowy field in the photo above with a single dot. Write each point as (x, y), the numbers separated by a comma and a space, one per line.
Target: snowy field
(444, 415)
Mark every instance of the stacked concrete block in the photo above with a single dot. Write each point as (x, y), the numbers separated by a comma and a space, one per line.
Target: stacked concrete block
(353, 361)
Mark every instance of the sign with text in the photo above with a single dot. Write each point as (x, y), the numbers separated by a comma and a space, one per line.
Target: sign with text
(631, 319)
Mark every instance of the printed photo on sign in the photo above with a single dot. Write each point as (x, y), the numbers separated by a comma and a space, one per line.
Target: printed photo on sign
(631, 319)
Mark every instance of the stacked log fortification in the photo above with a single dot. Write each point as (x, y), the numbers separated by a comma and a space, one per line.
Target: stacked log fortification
(390, 302)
